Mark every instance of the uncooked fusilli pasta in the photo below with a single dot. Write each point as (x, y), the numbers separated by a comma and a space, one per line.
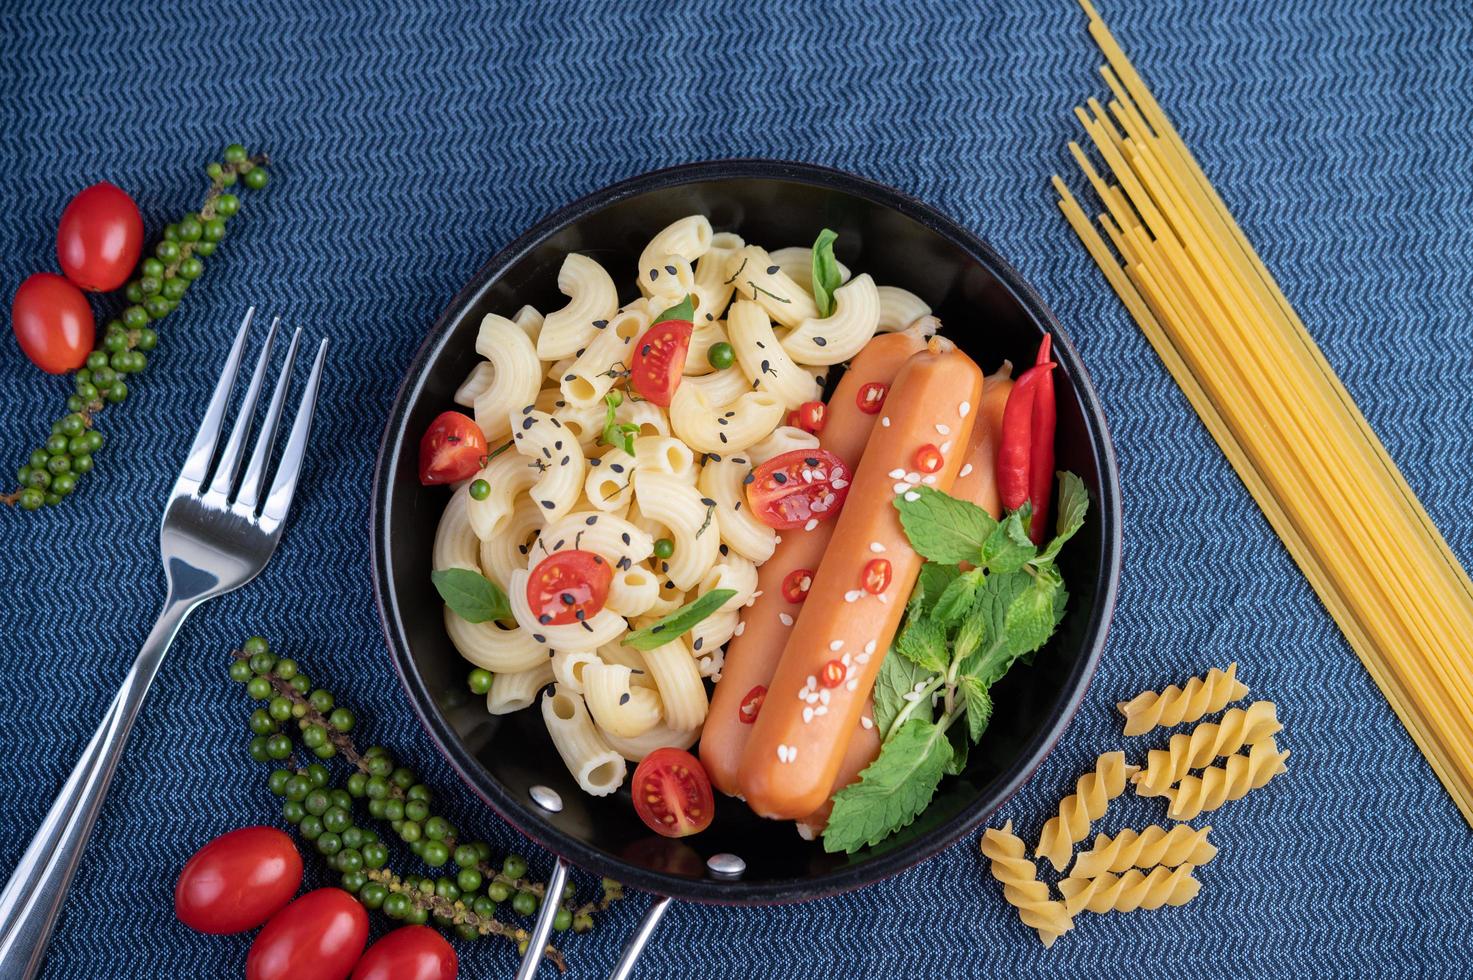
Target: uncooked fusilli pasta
(1130, 891)
(1202, 696)
(1021, 887)
(1149, 848)
(1092, 793)
(1208, 741)
(1232, 781)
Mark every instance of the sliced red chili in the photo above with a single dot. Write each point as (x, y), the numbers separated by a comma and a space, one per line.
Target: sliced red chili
(833, 673)
(876, 577)
(809, 416)
(928, 459)
(796, 584)
(871, 396)
(751, 704)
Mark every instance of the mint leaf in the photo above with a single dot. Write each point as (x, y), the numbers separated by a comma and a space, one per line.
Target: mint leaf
(930, 584)
(1073, 504)
(957, 598)
(826, 275)
(470, 595)
(679, 622)
(684, 310)
(893, 790)
(974, 630)
(1032, 614)
(1008, 548)
(923, 643)
(961, 748)
(897, 678)
(990, 660)
(619, 434)
(979, 706)
(942, 528)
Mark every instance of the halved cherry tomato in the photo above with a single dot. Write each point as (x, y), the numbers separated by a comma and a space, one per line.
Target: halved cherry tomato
(452, 449)
(568, 586)
(833, 673)
(809, 416)
(99, 238)
(672, 793)
(751, 705)
(659, 360)
(319, 936)
(876, 577)
(793, 488)
(238, 880)
(53, 322)
(871, 396)
(409, 953)
(928, 459)
(796, 584)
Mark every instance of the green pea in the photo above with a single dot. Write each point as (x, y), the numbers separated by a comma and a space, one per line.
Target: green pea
(255, 178)
(56, 445)
(94, 440)
(479, 489)
(298, 787)
(286, 668)
(466, 856)
(380, 765)
(190, 228)
(313, 736)
(435, 853)
(301, 683)
(416, 810)
(664, 548)
(353, 837)
(39, 458)
(280, 708)
(349, 859)
(357, 784)
(321, 700)
(483, 907)
(480, 681)
(226, 205)
(262, 661)
(721, 356)
(436, 828)
(409, 831)
(77, 444)
(393, 809)
(318, 776)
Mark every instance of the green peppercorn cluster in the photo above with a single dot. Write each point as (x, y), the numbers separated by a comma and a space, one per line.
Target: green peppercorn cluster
(163, 278)
(466, 896)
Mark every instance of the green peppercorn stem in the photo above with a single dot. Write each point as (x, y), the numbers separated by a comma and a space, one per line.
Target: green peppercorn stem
(162, 279)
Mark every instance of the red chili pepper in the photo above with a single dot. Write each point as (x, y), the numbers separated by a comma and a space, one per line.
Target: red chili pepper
(833, 673)
(1041, 459)
(1015, 447)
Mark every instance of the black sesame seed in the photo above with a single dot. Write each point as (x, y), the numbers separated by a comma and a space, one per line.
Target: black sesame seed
(579, 352)
(567, 598)
(721, 421)
(749, 478)
(522, 548)
(820, 341)
(617, 467)
(600, 324)
(710, 317)
(670, 270)
(723, 437)
(780, 478)
(708, 501)
(762, 345)
(569, 377)
(558, 546)
(544, 619)
(591, 521)
(558, 444)
(548, 504)
(539, 637)
(560, 403)
(645, 350)
(624, 699)
(546, 453)
(809, 461)
(739, 459)
(729, 415)
(625, 537)
(724, 550)
(586, 627)
(581, 615)
(654, 274)
(527, 409)
(669, 584)
(527, 423)
(772, 270)
(699, 641)
(625, 563)
(658, 627)
(565, 460)
(596, 461)
(598, 560)
(557, 424)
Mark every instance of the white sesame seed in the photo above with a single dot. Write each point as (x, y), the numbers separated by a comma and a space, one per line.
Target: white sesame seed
(852, 595)
(845, 660)
(807, 583)
(928, 479)
(901, 487)
(883, 598)
(785, 619)
(920, 686)
(812, 523)
(866, 721)
(965, 470)
(963, 409)
(946, 447)
(822, 709)
(911, 696)
(740, 629)
(944, 429)
(896, 473)
(807, 715)
(912, 478)
(852, 683)
(911, 496)
(869, 647)
(776, 539)
(823, 695)
(862, 659)
(839, 483)
(885, 421)
(812, 681)
(757, 594)
(876, 547)
(836, 644)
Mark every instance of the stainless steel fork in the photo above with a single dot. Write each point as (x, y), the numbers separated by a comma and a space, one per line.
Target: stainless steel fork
(217, 534)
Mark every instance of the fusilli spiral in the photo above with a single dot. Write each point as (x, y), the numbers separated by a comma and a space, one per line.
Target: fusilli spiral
(1232, 781)
(1202, 696)
(1130, 891)
(1021, 887)
(1208, 741)
(1093, 791)
(1149, 848)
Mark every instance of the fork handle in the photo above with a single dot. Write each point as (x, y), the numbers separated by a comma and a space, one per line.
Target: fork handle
(33, 896)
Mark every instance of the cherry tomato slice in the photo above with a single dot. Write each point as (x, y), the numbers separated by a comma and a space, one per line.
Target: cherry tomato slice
(809, 416)
(53, 322)
(928, 459)
(871, 396)
(672, 794)
(452, 449)
(796, 584)
(751, 705)
(320, 935)
(659, 360)
(833, 673)
(409, 953)
(568, 586)
(876, 576)
(99, 238)
(237, 881)
(794, 488)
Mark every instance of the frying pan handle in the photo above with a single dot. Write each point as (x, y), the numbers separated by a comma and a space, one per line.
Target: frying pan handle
(550, 905)
(625, 967)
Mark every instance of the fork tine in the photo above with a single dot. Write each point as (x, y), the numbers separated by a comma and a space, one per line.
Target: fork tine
(285, 484)
(197, 463)
(250, 485)
(223, 479)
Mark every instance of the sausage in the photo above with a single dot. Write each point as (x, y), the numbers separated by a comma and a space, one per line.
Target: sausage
(752, 656)
(976, 482)
(802, 733)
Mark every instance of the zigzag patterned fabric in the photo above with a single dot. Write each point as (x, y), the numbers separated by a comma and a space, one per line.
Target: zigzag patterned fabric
(413, 138)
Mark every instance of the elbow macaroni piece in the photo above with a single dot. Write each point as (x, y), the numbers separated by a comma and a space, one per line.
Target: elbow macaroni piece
(842, 334)
(593, 373)
(662, 736)
(687, 239)
(763, 359)
(705, 335)
(633, 592)
(1173, 706)
(670, 280)
(507, 551)
(489, 646)
(719, 387)
(530, 321)
(663, 454)
(899, 308)
(514, 691)
(1092, 793)
(456, 544)
(731, 572)
(714, 283)
(723, 480)
(618, 541)
(709, 635)
(728, 429)
(759, 278)
(617, 706)
(508, 476)
(598, 769)
(609, 484)
(591, 298)
(474, 383)
(593, 632)
(516, 375)
(567, 668)
(679, 682)
(691, 520)
(557, 463)
(618, 653)
(783, 439)
(797, 263)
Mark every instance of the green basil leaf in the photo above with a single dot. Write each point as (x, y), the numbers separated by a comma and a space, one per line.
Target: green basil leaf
(826, 275)
(897, 678)
(979, 706)
(678, 622)
(684, 310)
(470, 595)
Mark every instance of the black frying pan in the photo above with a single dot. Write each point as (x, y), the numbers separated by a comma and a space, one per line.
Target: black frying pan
(985, 307)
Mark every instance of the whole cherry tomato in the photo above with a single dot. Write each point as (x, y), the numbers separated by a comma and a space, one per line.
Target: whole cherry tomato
(99, 238)
(318, 937)
(238, 880)
(672, 793)
(451, 449)
(410, 953)
(53, 322)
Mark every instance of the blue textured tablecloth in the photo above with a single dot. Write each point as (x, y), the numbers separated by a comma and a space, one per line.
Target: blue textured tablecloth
(411, 139)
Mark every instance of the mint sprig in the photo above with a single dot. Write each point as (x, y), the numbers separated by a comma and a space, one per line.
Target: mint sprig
(965, 627)
(616, 433)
